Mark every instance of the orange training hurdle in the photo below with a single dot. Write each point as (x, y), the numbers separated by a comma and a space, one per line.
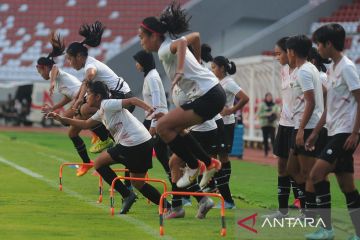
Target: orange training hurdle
(69, 164)
(112, 200)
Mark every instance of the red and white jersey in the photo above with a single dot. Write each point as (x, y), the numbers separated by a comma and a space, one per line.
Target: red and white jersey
(106, 75)
(67, 84)
(197, 80)
(341, 104)
(231, 88)
(123, 126)
(154, 94)
(287, 76)
(307, 79)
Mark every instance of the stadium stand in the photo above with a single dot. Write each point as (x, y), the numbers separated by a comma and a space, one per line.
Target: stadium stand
(348, 16)
(25, 27)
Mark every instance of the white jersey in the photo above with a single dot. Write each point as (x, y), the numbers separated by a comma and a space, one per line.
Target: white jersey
(307, 79)
(67, 84)
(324, 79)
(206, 126)
(197, 80)
(231, 88)
(217, 117)
(341, 104)
(287, 78)
(123, 126)
(180, 98)
(154, 94)
(106, 75)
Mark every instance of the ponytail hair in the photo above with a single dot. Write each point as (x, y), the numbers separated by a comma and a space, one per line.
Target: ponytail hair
(173, 20)
(281, 43)
(99, 88)
(58, 48)
(319, 62)
(92, 34)
(222, 61)
(206, 53)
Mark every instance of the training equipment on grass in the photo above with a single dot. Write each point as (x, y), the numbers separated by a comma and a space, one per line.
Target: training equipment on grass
(112, 200)
(222, 209)
(101, 182)
(70, 164)
(101, 188)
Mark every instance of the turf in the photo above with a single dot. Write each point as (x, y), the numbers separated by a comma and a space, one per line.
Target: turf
(34, 208)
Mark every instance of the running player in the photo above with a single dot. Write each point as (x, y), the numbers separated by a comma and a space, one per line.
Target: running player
(77, 55)
(68, 85)
(133, 146)
(205, 134)
(201, 86)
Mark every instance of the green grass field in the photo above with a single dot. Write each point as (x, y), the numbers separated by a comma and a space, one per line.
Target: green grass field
(32, 207)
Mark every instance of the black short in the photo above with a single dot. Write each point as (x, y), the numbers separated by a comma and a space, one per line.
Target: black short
(282, 143)
(121, 95)
(333, 152)
(208, 105)
(221, 139)
(229, 136)
(138, 159)
(301, 150)
(207, 140)
(225, 133)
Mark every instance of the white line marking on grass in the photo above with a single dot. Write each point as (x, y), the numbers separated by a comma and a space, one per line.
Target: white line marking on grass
(21, 169)
(53, 157)
(137, 223)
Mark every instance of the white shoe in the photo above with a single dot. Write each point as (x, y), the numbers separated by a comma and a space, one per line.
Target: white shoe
(189, 176)
(210, 172)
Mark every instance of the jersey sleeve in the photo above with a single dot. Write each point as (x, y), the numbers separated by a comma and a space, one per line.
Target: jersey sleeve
(113, 105)
(90, 65)
(351, 77)
(233, 87)
(96, 116)
(305, 80)
(155, 92)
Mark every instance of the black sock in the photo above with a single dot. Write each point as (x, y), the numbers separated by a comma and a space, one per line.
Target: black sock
(310, 205)
(176, 199)
(127, 181)
(80, 148)
(353, 204)
(301, 195)
(222, 181)
(162, 152)
(109, 175)
(197, 149)
(101, 131)
(194, 188)
(294, 188)
(211, 185)
(323, 200)
(283, 193)
(179, 146)
(150, 193)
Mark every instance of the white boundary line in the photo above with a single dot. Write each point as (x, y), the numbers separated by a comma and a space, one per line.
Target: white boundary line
(137, 223)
